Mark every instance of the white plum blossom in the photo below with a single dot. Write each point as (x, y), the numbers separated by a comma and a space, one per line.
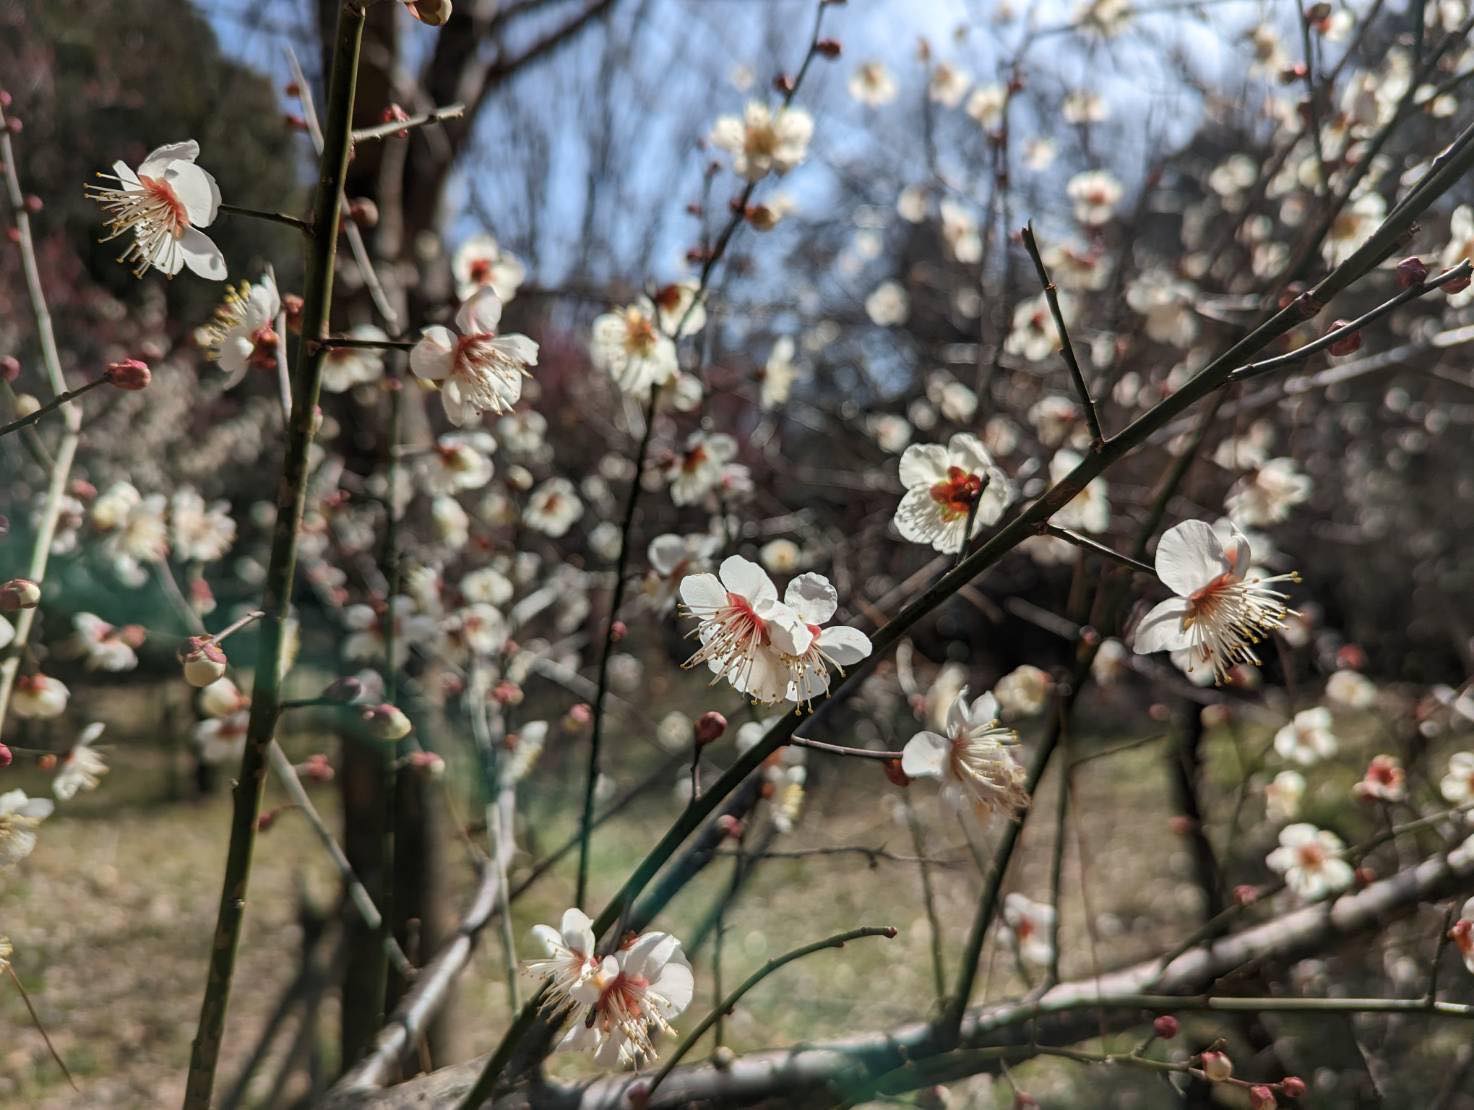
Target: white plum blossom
(960, 232)
(1095, 195)
(1311, 862)
(1033, 335)
(762, 141)
(646, 984)
(19, 816)
(365, 641)
(888, 305)
(947, 84)
(1166, 302)
(679, 308)
(1457, 786)
(1351, 690)
(629, 345)
(478, 629)
(480, 263)
(740, 614)
(986, 105)
(242, 333)
(810, 655)
(1222, 608)
(163, 206)
(477, 370)
(457, 462)
(222, 739)
(80, 768)
(943, 486)
(778, 374)
(199, 532)
(1282, 796)
(697, 470)
(1308, 738)
(1268, 494)
(672, 557)
(1026, 927)
(1384, 780)
(1023, 691)
(1055, 419)
(487, 584)
(570, 959)
(102, 646)
(343, 368)
(1462, 934)
(553, 507)
(872, 85)
(978, 773)
(39, 696)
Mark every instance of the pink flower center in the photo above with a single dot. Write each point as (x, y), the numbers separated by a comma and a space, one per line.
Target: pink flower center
(1311, 855)
(163, 193)
(481, 271)
(956, 493)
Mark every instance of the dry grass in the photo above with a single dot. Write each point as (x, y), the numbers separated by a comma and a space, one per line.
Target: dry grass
(111, 913)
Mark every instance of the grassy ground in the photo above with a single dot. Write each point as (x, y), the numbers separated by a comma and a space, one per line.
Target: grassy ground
(111, 914)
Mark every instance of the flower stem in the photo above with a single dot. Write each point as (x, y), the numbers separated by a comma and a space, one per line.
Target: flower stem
(396, 127)
(63, 398)
(281, 571)
(596, 730)
(271, 217)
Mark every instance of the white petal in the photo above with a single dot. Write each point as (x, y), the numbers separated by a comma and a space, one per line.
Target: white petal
(1162, 629)
(578, 932)
(968, 452)
(196, 190)
(1190, 556)
(925, 755)
(923, 464)
(432, 358)
(812, 597)
(160, 158)
(703, 591)
(744, 577)
(201, 255)
(788, 632)
(845, 645)
(517, 347)
(481, 314)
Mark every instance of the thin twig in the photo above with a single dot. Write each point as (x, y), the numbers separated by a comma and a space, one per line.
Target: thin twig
(1066, 348)
(50, 406)
(395, 128)
(272, 217)
(839, 940)
(1085, 543)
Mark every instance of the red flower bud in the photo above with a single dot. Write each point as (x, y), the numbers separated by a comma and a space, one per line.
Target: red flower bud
(709, 727)
(1347, 344)
(6, 758)
(129, 374)
(202, 660)
(783, 83)
(1166, 1027)
(1261, 1098)
(46, 762)
(617, 631)
(827, 48)
(19, 593)
(9, 368)
(1293, 1086)
(1217, 1066)
(1457, 285)
(1411, 271)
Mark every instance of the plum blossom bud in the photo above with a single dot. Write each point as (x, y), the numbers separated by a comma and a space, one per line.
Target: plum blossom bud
(386, 722)
(783, 83)
(1411, 271)
(267, 819)
(1456, 285)
(1181, 825)
(828, 48)
(764, 217)
(46, 762)
(317, 768)
(507, 693)
(1347, 344)
(203, 661)
(1022, 1100)
(1364, 876)
(1318, 13)
(730, 826)
(709, 727)
(347, 689)
(432, 13)
(129, 374)
(25, 404)
(618, 631)
(19, 593)
(428, 762)
(1262, 1098)
(1217, 1066)
(34, 204)
(1293, 1086)
(580, 714)
(638, 1096)
(898, 777)
(723, 1058)
(6, 757)
(363, 212)
(1245, 894)
(291, 304)
(9, 368)
(1166, 1027)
